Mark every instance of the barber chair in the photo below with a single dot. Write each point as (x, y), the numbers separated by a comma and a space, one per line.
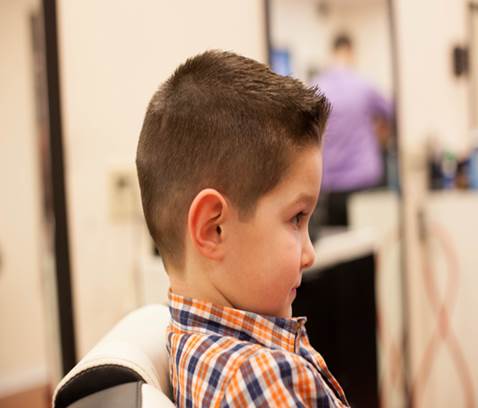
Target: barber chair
(128, 368)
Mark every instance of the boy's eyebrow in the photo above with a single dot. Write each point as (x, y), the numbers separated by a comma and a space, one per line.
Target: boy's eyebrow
(305, 198)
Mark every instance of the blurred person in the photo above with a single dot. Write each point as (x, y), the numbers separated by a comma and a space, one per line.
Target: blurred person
(229, 163)
(355, 135)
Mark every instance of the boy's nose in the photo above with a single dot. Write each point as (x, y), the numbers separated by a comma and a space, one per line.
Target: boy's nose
(308, 253)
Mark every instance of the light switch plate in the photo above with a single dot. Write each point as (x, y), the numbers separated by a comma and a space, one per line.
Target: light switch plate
(124, 202)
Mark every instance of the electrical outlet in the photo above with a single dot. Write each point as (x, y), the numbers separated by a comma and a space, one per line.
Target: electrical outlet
(123, 195)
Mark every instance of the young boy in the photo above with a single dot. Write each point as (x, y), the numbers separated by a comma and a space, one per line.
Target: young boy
(229, 164)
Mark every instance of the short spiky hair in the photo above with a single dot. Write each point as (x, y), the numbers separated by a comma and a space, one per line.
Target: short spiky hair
(222, 121)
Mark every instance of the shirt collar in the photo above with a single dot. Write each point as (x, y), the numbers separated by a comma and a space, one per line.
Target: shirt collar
(192, 315)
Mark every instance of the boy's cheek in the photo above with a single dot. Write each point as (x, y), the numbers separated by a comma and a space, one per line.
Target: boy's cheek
(289, 255)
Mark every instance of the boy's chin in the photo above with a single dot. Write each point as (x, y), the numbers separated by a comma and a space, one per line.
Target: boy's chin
(283, 312)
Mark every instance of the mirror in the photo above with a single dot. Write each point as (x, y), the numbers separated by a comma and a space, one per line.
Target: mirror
(353, 295)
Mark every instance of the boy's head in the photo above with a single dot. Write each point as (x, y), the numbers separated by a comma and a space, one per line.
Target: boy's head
(221, 135)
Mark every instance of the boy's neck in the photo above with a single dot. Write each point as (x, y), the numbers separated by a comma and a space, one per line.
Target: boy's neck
(197, 286)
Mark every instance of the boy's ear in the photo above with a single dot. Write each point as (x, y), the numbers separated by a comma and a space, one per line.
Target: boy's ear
(206, 214)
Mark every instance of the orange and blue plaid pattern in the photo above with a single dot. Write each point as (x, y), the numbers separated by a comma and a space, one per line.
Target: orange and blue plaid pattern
(225, 357)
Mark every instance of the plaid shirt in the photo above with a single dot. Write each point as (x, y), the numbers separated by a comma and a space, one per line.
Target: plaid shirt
(225, 357)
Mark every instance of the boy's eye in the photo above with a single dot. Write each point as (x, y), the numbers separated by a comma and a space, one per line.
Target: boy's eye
(298, 218)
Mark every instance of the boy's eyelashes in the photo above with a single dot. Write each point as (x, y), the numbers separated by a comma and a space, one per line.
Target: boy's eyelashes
(298, 218)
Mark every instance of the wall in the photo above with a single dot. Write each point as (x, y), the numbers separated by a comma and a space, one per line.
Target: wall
(114, 54)
(23, 361)
(433, 104)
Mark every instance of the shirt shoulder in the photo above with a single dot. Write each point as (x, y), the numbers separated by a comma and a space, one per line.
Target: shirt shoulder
(277, 378)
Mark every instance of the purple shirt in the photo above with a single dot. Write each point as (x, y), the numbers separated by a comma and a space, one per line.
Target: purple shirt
(352, 158)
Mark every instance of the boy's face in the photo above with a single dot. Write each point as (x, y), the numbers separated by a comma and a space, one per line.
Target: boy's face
(265, 255)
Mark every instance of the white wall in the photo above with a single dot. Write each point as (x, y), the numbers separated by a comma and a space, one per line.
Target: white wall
(23, 361)
(451, 261)
(433, 103)
(114, 54)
